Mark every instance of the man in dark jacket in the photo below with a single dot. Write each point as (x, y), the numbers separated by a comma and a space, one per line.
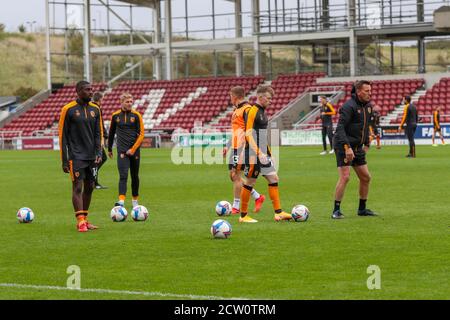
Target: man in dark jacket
(411, 118)
(351, 142)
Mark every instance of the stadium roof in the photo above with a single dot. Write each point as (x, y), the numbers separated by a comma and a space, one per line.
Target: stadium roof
(142, 3)
(6, 101)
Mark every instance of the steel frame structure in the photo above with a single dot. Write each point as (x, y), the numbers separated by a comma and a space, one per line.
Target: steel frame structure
(346, 25)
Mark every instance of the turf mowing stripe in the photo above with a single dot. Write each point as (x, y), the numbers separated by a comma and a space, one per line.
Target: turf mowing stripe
(124, 292)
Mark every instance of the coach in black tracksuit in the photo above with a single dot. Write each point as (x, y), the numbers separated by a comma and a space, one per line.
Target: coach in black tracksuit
(129, 127)
(351, 142)
(411, 118)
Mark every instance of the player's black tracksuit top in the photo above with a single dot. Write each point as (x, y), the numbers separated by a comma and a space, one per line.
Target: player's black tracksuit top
(329, 112)
(375, 119)
(353, 126)
(129, 128)
(80, 132)
(410, 115)
(256, 122)
(105, 133)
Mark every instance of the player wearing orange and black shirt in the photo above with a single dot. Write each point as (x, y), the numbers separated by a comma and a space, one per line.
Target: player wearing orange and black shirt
(80, 135)
(326, 113)
(237, 144)
(258, 155)
(374, 126)
(437, 125)
(128, 125)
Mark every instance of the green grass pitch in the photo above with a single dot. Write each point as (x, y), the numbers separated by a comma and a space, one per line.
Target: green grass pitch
(173, 252)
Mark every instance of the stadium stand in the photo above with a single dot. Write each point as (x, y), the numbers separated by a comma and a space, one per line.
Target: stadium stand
(44, 115)
(287, 87)
(165, 105)
(385, 93)
(439, 94)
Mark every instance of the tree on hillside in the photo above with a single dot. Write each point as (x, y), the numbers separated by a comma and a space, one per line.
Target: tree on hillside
(22, 28)
(2, 27)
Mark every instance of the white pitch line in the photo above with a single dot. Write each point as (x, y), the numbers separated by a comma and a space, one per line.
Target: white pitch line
(124, 292)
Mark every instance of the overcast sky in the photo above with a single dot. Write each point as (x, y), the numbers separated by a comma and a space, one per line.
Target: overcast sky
(16, 12)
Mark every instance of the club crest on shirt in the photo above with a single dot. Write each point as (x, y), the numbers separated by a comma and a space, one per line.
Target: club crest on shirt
(117, 119)
(132, 119)
(92, 114)
(77, 174)
(77, 113)
(359, 111)
(369, 109)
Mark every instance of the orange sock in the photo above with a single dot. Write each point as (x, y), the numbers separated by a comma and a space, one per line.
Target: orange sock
(246, 192)
(378, 141)
(275, 197)
(121, 197)
(80, 215)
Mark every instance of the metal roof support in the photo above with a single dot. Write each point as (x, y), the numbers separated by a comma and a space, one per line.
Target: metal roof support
(238, 34)
(256, 43)
(47, 43)
(87, 41)
(353, 47)
(168, 38)
(421, 48)
(157, 61)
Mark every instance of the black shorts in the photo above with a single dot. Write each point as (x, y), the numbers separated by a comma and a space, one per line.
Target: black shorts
(238, 167)
(83, 170)
(376, 130)
(358, 160)
(236, 160)
(436, 129)
(254, 167)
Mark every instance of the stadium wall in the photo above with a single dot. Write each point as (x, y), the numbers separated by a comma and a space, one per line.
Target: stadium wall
(389, 136)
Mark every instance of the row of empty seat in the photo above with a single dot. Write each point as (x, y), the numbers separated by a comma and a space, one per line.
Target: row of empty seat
(46, 113)
(387, 94)
(167, 105)
(287, 88)
(438, 94)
